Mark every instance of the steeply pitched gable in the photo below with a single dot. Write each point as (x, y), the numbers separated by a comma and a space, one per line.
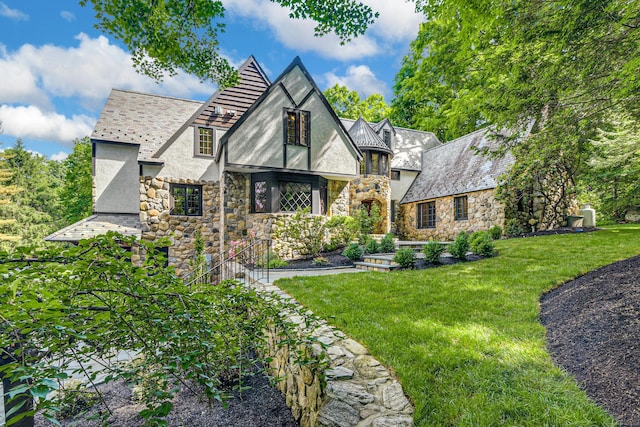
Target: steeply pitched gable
(366, 138)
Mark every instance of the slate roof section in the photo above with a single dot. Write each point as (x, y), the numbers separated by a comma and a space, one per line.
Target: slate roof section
(98, 224)
(407, 145)
(366, 138)
(138, 118)
(455, 168)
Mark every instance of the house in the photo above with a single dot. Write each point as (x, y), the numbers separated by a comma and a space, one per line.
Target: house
(253, 153)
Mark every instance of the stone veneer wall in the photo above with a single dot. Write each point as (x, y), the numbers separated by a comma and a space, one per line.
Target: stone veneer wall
(373, 187)
(338, 197)
(157, 221)
(353, 390)
(236, 206)
(483, 211)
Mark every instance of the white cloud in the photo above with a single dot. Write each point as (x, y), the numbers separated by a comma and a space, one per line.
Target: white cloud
(68, 16)
(31, 122)
(14, 14)
(59, 156)
(359, 78)
(397, 22)
(36, 74)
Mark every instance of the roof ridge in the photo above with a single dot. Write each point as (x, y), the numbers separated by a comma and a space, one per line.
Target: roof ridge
(175, 98)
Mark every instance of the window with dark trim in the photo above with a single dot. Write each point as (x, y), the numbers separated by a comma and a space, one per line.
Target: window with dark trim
(294, 196)
(186, 200)
(374, 163)
(287, 192)
(427, 215)
(260, 196)
(205, 142)
(386, 137)
(460, 208)
(297, 127)
(395, 175)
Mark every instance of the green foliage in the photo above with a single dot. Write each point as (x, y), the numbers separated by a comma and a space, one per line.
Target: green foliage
(354, 252)
(73, 399)
(387, 244)
(303, 232)
(367, 219)
(89, 302)
(342, 230)
(76, 193)
(482, 244)
(405, 257)
(432, 251)
(274, 261)
(168, 35)
(321, 261)
(6, 191)
(460, 246)
(513, 228)
(473, 326)
(372, 247)
(495, 232)
(347, 104)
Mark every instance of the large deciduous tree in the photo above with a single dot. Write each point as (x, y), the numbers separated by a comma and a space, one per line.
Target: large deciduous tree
(76, 194)
(167, 35)
(348, 104)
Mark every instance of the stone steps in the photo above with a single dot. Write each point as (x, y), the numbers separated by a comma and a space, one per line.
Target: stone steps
(377, 262)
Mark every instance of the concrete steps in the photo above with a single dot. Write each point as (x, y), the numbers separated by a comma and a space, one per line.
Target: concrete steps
(377, 262)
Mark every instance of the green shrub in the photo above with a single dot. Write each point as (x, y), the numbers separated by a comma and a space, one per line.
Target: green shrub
(405, 257)
(481, 243)
(320, 261)
(432, 251)
(342, 230)
(513, 228)
(387, 244)
(372, 247)
(460, 246)
(495, 232)
(303, 232)
(274, 261)
(367, 220)
(353, 251)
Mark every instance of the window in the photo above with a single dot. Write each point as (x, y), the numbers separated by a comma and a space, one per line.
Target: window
(186, 199)
(297, 128)
(395, 175)
(294, 196)
(384, 169)
(362, 167)
(460, 208)
(205, 141)
(386, 137)
(427, 215)
(260, 196)
(375, 164)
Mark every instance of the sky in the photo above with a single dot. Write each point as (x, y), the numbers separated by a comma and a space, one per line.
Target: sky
(56, 69)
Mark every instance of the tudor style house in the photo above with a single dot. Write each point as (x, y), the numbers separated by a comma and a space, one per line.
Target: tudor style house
(166, 167)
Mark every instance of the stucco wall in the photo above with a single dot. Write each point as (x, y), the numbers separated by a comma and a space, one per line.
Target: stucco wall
(399, 188)
(483, 213)
(116, 173)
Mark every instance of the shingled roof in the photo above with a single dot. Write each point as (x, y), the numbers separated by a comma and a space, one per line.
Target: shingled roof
(366, 138)
(98, 224)
(144, 119)
(456, 168)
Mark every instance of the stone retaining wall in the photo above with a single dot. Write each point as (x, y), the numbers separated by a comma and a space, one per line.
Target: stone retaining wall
(353, 390)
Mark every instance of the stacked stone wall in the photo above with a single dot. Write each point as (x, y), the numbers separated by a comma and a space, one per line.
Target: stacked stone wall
(484, 211)
(157, 221)
(236, 206)
(351, 389)
(372, 187)
(338, 197)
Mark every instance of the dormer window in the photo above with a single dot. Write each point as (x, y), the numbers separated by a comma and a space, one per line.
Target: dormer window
(204, 142)
(386, 137)
(297, 127)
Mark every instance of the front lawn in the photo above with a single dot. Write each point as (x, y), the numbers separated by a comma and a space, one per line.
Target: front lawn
(465, 340)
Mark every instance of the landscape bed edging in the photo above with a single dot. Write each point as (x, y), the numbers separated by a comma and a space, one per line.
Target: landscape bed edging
(353, 390)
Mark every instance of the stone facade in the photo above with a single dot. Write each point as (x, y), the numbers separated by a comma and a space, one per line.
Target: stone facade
(484, 211)
(338, 195)
(353, 389)
(376, 188)
(157, 222)
(236, 206)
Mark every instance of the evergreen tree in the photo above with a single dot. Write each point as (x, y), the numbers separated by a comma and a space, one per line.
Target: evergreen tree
(76, 195)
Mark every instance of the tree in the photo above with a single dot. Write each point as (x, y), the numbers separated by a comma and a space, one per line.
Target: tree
(76, 194)
(167, 35)
(6, 191)
(348, 104)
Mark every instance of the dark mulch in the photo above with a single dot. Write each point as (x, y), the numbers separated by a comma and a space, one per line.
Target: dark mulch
(593, 331)
(561, 230)
(260, 406)
(335, 258)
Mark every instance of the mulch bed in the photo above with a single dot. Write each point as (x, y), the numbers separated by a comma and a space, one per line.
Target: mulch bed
(593, 332)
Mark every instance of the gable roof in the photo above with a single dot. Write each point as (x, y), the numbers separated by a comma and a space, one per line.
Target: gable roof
(237, 99)
(143, 119)
(455, 168)
(380, 125)
(407, 146)
(297, 62)
(366, 138)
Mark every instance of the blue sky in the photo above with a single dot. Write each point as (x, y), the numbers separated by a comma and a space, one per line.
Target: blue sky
(56, 70)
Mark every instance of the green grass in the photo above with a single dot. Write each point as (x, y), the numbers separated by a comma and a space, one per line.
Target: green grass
(465, 340)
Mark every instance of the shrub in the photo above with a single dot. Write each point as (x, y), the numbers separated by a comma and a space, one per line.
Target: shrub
(387, 244)
(495, 232)
(460, 246)
(342, 230)
(481, 243)
(320, 261)
(303, 232)
(405, 257)
(353, 251)
(513, 228)
(367, 219)
(432, 251)
(372, 247)
(274, 261)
